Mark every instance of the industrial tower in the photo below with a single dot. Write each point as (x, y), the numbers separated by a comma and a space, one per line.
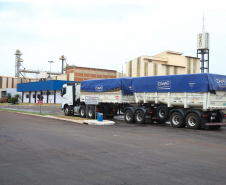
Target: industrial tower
(18, 61)
(203, 49)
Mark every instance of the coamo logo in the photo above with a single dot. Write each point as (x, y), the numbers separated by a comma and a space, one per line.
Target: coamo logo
(221, 82)
(164, 84)
(99, 88)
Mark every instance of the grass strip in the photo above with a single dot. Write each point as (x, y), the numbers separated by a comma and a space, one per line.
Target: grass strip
(46, 114)
(73, 117)
(30, 104)
(20, 111)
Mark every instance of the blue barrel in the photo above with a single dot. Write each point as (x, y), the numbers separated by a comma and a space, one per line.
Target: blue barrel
(99, 116)
(11, 103)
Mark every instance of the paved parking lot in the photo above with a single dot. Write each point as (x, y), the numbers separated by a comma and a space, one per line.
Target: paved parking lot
(36, 150)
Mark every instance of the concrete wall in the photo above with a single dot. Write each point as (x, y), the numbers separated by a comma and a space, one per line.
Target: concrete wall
(12, 91)
(8, 84)
(119, 75)
(68, 77)
(165, 63)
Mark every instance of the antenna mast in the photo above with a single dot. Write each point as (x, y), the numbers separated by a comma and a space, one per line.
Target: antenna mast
(203, 24)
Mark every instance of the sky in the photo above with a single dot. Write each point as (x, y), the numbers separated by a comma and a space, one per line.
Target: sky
(106, 33)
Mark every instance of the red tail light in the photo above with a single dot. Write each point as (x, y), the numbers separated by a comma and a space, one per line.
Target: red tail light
(149, 112)
(204, 116)
(224, 115)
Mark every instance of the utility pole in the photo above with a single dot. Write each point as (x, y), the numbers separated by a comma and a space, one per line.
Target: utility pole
(50, 67)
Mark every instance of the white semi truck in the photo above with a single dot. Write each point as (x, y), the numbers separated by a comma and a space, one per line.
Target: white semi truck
(111, 95)
(195, 100)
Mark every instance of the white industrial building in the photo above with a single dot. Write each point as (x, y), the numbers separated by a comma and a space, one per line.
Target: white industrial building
(49, 89)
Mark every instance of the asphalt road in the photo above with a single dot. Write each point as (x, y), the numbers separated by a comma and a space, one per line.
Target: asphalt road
(42, 151)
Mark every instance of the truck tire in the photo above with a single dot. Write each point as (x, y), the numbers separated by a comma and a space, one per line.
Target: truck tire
(162, 113)
(82, 111)
(192, 121)
(177, 120)
(67, 111)
(91, 112)
(139, 117)
(128, 116)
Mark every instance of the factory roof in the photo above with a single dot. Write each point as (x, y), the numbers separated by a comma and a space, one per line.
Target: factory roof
(42, 85)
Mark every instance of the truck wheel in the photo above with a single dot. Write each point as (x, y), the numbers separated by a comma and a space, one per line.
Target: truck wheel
(129, 118)
(91, 113)
(67, 111)
(177, 120)
(139, 117)
(82, 112)
(192, 121)
(162, 113)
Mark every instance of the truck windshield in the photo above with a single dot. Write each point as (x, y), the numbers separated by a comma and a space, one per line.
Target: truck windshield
(63, 91)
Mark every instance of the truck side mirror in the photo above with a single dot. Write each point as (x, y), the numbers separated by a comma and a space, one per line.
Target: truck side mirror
(63, 91)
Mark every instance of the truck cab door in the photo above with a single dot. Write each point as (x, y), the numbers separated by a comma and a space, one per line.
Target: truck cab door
(67, 95)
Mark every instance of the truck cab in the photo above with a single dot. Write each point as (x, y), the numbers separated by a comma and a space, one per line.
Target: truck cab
(70, 97)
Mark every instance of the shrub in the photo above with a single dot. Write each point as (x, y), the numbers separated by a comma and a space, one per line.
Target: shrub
(17, 96)
(5, 100)
(13, 100)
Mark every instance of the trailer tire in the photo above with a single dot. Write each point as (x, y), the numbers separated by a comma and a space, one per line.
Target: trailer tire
(139, 117)
(128, 116)
(91, 112)
(67, 111)
(82, 111)
(162, 113)
(192, 121)
(177, 120)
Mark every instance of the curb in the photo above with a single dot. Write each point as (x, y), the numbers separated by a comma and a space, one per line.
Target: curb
(89, 122)
(95, 122)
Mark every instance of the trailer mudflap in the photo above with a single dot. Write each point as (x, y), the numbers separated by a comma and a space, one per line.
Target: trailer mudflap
(211, 124)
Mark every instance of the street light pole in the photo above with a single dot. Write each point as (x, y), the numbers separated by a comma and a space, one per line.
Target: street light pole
(50, 67)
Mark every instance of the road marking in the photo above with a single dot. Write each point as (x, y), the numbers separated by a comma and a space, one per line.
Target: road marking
(167, 144)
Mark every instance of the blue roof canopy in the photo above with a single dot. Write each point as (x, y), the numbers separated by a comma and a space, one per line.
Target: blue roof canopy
(42, 85)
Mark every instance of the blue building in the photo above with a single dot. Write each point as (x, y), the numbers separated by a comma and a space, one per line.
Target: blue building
(49, 89)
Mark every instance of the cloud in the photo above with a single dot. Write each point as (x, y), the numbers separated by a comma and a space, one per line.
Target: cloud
(103, 34)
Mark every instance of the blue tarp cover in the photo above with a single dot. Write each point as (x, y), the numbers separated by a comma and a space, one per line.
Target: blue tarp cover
(103, 85)
(180, 83)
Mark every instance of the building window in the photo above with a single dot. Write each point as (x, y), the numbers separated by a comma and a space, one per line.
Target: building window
(51, 93)
(44, 93)
(155, 72)
(33, 95)
(130, 68)
(194, 66)
(146, 69)
(189, 66)
(167, 70)
(175, 70)
(138, 66)
(27, 95)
